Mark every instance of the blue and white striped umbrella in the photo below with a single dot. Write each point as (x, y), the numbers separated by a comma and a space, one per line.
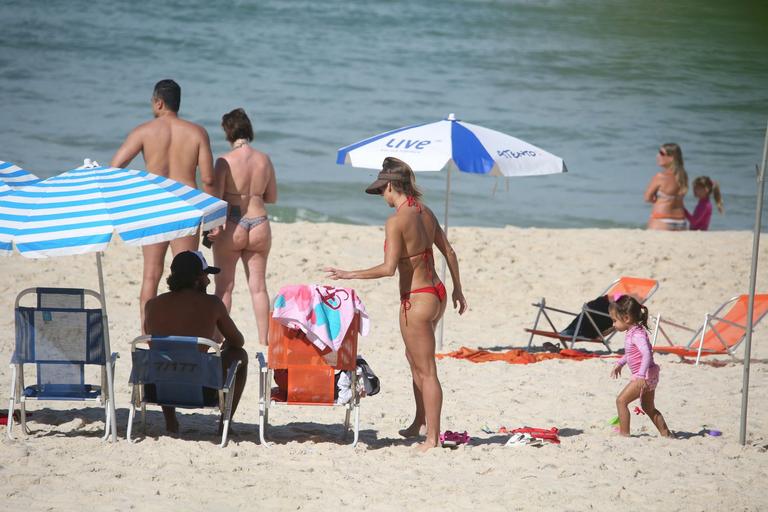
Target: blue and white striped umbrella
(79, 210)
(471, 148)
(12, 177)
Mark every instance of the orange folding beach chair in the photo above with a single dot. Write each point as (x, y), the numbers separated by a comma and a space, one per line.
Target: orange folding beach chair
(306, 374)
(640, 288)
(721, 332)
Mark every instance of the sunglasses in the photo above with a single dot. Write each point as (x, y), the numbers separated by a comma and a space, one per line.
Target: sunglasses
(662, 153)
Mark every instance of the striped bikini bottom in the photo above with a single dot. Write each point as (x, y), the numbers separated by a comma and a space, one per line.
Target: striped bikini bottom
(247, 223)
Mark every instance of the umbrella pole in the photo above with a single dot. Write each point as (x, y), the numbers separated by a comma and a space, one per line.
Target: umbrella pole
(751, 303)
(442, 271)
(107, 350)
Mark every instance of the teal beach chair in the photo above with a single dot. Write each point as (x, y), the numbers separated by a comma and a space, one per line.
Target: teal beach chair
(61, 338)
(172, 371)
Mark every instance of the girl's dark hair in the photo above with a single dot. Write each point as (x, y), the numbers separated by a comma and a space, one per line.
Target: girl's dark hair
(177, 282)
(628, 307)
(237, 125)
(408, 186)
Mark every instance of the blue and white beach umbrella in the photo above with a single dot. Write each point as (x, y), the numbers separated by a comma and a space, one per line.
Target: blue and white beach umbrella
(471, 148)
(13, 177)
(450, 143)
(80, 210)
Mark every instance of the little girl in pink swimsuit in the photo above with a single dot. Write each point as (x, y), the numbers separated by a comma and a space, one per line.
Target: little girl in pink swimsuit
(630, 316)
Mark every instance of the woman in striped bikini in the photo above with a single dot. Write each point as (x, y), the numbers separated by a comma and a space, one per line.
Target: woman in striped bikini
(630, 316)
(245, 179)
(667, 190)
(411, 231)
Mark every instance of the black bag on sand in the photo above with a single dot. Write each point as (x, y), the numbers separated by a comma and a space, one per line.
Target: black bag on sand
(370, 380)
(587, 330)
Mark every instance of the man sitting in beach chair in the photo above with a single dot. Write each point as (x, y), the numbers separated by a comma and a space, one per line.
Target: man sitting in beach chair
(188, 310)
(592, 323)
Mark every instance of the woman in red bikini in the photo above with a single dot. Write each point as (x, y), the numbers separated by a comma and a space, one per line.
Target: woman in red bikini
(410, 234)
(667, 190)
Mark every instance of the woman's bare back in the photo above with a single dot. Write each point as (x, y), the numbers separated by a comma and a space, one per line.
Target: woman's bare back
(249, 181)
(416, 266)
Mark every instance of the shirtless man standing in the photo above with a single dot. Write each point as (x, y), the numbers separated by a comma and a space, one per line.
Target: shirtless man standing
(173, 148)
(188, 310)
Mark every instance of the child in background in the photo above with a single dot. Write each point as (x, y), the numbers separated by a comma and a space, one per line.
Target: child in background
(630, 316)
(703, 187)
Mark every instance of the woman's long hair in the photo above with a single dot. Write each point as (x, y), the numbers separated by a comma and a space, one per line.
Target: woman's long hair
(397, 166)
(678, 167)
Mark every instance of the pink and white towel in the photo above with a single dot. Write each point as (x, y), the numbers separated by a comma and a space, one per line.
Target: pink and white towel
(323, 313)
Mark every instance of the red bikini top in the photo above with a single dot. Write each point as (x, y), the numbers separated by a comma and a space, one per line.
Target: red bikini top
(427, 253)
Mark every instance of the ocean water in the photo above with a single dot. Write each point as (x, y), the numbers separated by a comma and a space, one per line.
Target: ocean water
(601, 83)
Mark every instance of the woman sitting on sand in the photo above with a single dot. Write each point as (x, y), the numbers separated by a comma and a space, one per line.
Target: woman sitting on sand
(410, 234)
(667, 190)
(245, 179)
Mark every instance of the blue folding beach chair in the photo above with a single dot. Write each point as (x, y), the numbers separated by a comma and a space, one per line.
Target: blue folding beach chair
(61, 337)
(173, 372)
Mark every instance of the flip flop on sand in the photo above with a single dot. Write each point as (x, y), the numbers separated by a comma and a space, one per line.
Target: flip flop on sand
(523, 439)
(450, 439)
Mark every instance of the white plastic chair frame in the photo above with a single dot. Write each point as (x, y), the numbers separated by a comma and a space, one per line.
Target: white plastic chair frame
(226, 394)
(603, 336)
(701, 331)
(266, 402)
(17, 381)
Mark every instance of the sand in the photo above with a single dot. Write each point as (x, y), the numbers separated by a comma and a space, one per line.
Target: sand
(64, 465)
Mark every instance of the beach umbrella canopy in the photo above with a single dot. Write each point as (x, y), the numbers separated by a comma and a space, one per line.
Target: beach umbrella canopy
(450, 143)
(79, 211)
(13, 177)
(469, 147)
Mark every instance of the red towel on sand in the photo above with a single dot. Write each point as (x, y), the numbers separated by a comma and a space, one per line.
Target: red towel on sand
(516, 356)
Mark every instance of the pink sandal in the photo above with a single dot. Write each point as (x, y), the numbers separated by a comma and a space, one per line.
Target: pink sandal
(453, 439)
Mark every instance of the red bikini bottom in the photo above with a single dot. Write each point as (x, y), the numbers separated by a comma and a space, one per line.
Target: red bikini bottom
(438, 291)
